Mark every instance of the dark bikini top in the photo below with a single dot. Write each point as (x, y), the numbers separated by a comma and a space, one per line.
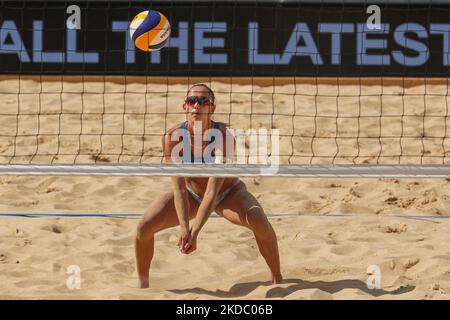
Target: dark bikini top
(187, 146)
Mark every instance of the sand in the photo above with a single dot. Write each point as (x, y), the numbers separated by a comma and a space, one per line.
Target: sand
(322, 256)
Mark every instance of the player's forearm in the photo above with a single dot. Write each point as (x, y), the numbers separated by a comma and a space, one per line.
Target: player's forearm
(181, 201)
(182, 208)
(208, 203)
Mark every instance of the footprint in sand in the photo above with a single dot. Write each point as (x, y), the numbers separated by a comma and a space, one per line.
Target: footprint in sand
(81, 187)
(52, 189)
(53, 228)
(309, 250)
(105, 191)
(410, 263)
(19, 233)
(57, 267)
(23, 242)
(3, 258)
(402, 264)
(343, 250)
(395, 229)
(46, 183)
(27, 203)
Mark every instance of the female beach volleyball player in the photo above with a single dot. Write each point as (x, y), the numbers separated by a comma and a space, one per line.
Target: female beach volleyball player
(197, 198)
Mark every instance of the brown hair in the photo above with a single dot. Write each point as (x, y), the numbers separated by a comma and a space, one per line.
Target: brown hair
(211, 93)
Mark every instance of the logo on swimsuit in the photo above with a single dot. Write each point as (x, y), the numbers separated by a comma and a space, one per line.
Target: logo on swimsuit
(257, 147)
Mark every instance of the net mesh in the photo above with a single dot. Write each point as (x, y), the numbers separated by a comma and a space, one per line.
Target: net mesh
(331, 121)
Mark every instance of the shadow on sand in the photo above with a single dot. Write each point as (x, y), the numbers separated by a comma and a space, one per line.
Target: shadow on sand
(243, 289)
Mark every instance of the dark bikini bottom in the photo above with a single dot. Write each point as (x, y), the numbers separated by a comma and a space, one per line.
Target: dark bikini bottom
(220, 196)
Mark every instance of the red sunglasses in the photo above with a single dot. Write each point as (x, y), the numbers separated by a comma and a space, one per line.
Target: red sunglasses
(192, 100)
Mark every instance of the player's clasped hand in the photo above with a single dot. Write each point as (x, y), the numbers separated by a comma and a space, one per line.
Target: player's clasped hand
(184, 237)
(188, 241)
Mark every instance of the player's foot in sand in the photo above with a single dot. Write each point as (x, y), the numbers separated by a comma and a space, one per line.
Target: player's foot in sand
(143, 283)
(277, 279)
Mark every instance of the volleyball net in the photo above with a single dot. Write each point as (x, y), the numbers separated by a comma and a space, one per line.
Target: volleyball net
(307, 88)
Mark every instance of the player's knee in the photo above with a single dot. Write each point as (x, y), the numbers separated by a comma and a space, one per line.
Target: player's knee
(151, 222)
(147, 227)
(144, 229)
(259, 223)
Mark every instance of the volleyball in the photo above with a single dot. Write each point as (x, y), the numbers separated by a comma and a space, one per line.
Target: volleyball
(150, 30)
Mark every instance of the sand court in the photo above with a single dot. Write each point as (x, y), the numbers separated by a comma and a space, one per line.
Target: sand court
(321, 257)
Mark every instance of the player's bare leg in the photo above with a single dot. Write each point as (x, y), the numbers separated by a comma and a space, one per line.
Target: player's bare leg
(242, 208)
(161, 215)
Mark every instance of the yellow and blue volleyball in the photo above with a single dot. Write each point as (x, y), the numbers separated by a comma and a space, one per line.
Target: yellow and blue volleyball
(150, 30)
